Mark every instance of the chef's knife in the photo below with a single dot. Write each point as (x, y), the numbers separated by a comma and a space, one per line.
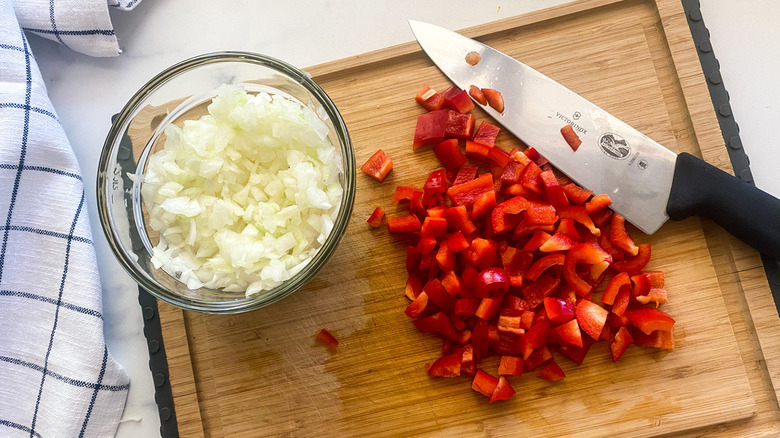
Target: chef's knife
(648, 183)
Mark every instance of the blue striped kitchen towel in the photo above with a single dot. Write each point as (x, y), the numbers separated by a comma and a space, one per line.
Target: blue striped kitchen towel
(57, 378)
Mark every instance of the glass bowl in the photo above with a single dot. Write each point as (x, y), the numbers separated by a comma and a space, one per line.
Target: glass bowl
(182, 92)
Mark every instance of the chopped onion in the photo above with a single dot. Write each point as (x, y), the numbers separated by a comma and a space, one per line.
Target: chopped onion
(243, 197)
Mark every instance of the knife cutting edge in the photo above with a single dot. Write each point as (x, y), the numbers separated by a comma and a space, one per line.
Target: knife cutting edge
(647, 182)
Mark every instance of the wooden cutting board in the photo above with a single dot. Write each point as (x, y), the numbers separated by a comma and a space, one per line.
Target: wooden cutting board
(262, 374)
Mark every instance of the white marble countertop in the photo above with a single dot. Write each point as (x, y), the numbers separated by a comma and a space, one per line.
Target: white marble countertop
(86, 92)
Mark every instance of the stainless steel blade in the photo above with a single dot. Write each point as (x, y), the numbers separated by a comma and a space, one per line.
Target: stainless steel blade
(614, 158)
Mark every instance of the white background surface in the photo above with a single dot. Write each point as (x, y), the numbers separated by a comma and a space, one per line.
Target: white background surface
(86, 92)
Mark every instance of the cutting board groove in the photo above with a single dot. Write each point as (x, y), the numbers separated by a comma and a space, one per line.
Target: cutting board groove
(261, 373)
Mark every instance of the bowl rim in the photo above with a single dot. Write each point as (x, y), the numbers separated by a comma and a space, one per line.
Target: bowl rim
(324, 253)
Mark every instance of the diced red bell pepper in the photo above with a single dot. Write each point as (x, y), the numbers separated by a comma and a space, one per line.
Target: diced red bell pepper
(505, 215)
(535, 337)
(459, 126)
(622, 340)
(431, 128)
(436, 182)
(486, 134)
(480, 339)
(655, 295)
(533, 154)
(591, 317)
(503, 391)
(511, 366)
(445, 258)
(483, 204)
(456, 242)
(466, 193)
(539, 357)
(494, 99)
(405, 193)
(376, 217)
(429, 98)
(649, 319)
(542, 264)
(446, 366)
(553, 190)
(491, 281)
(606, 244)
(437, 323)
(634, 265)
(499, 156)
(558, 242)
(476, 94)
(536, 240)
(513, 302)
(597, 203)
(531, 178)
(576, 354)
(488, 308)
(449, 154)
(458, 100)
(656, 279)
(328, 339)
(619, 236)
(419, 306)
(512, 172)
(476, 151)
(540, 213)
(458, 219)
(558, 310)
(426, 244)
(657, 339)
(378, 166)
(413, 287)
(453, 284)
(641, 285)
(466, 307)
(465, 174)
(434, 227)
(483, 253)
(571, 137)
(438, 295)
(621, 301)
(601, 217)
(509, 323)
(535, 292)
(468, 366)
(583, 253)
(404, 223)
(576, 194)
(567, 227)
(515, 263)
(551, 372)
(619, 281)
(569, 333)
(484, 383)
(579, 214)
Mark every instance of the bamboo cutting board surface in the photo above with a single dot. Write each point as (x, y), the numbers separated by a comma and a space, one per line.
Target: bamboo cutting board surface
(262, 374)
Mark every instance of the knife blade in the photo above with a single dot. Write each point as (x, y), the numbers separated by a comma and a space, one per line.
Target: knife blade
(647, 182)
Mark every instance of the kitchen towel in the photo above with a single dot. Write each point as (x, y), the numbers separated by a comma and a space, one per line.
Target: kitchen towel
(57, 378)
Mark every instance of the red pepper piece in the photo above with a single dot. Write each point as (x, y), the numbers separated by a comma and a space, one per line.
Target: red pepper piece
(482, 254)
(466, 193)
(571, 137)
(376, 217)
(438, 295)
(558, 242)
(513, 302)
(601, 217)
(597, 203)
(553, 190)
(656, 279)
(567, 227)
(430, 129)
(429, 98)
(445, 258)
(622, 340)
(488, 308)
(459, 126)
(449, 154)
(458, 100)
(558, 310)
(436, 182)
(476, 94)
(484, 383)
(465, 174)
(655, 295)
(486, 134)
(619, 236)
(483, 204)
(583, 253)
(412, 259)
(576, 354)
(491, 281)
(494, 99)
(426, 244)
(413, 287)
(403, 193)
(378, 166)
(591, 317)
(480, 339)
(326, 338)
(511, 366)
(499, 156)
(606, 244)
(635, 264)
(537, 358)
(466, 307)
(535, 337)
(551, 372)
(540, 213)
(453, 284)
(619, 281)
(649, 319)
(419, 306)
(512, 172)
(508, 324)
(456, 242)
(434, 227)
(437, 323)
(533, 154)
(569, 334)
(536, 240)
(535, 292)
(458, 219)
(505, 215)
(576, 194)
(542, 264)
(531, 178)
(579, 214)
(403, 223)
(476, 151)
(446, 366)
(657, 339)
(515, 263)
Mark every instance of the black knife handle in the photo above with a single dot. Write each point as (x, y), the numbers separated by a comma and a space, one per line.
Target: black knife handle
(751, 215)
